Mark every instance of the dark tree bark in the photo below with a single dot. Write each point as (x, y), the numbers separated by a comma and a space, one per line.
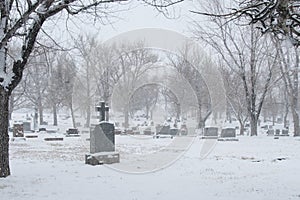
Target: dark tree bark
(18, 68)
(11, 106)
(41, 110)
(4, 137)
(72, 114)
(242, 127)
(54, 108)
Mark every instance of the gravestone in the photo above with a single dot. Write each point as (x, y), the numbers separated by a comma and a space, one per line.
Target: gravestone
(285, 132)
(228, 134)
(270, 132)
(164, 130)
(281, 132)
(183, 129)
(42, 129)
(27, 126)
(102, 138)
(174, 131)
(18, 130)
(50, 139)
(157, 128)
(102, 141)
(147, 131)
(118, 131)
(210, 133)
(72, 132)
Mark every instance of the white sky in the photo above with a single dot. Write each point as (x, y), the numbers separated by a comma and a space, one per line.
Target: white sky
(138, 17)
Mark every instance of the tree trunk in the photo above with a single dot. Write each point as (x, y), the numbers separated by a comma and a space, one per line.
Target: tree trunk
(294, 109)
(286, 104)
(253, 124)
(296, 123)
(41, 110)
(88, 116)
(200, 120)
(54, 115)
(4, 137)
(242, 127)
(126, 117)
(35, 118)
(72, 114)
(147, 111)
(11, 106)
(178, 110)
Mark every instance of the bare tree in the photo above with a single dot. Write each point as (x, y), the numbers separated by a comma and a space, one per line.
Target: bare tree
(289, 65)
(144, 98)
(247, 53)
(134, 62)
(68, 83)
(59, 92)
(235, 95)
(22, 21)
(279, 17)
(188, 64)
(87, 48)
(35, 82)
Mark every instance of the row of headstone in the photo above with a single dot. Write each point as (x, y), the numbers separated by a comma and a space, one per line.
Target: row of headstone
(173, 131)
(277, 132)
(227, 134)
(165, 131)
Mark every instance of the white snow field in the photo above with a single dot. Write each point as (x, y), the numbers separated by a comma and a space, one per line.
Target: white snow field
(252, 168)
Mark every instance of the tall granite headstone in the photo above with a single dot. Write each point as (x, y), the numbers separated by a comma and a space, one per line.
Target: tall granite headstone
(102, 140)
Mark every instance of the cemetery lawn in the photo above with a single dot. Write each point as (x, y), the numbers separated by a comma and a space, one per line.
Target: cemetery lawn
(251, 168)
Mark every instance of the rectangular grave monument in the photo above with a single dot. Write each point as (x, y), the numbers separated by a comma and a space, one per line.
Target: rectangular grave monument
(164, 130)
(102, 138)
(18, 130)
(102, 141)
(210, 133)
(72, 132)
(228, 134)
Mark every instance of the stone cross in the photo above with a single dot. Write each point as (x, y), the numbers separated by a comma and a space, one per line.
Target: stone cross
(102, 109)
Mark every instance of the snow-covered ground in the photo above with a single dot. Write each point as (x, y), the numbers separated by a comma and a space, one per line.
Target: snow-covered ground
(252, 168)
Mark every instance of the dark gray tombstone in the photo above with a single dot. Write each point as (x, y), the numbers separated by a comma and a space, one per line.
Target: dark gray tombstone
(285, 132)
(72, 132)
(228, 134)
(164, 130)
(270, 132)
(102, 141)
(174, 131)
(102, 138)
(157, 128)
(210, 133)
(42, 129)
(147, 131)
(27, 126)
(18, 130)
(183, 129)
